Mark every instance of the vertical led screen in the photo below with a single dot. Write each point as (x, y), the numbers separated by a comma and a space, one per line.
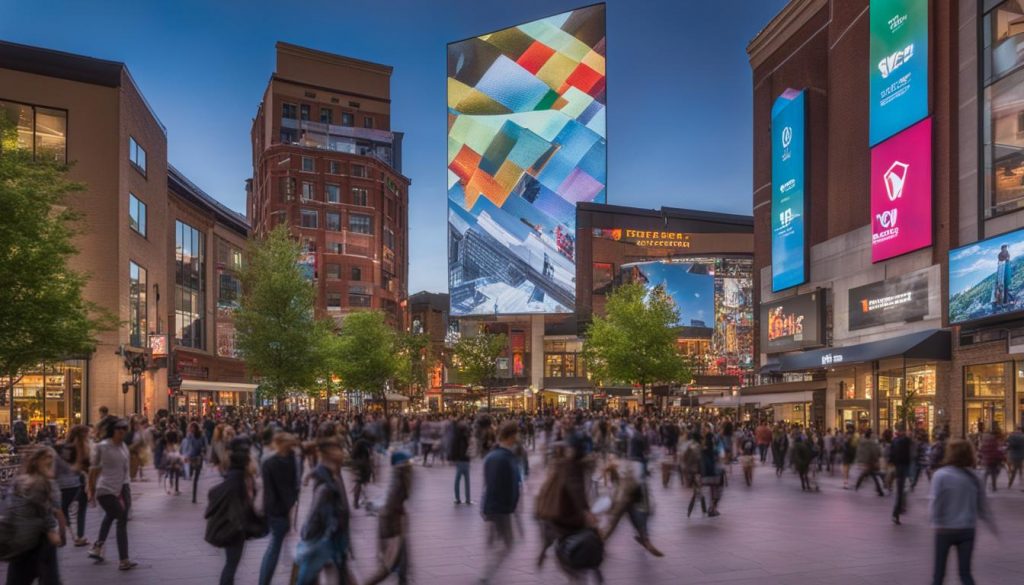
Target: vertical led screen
(898, 66)
(788, 152)
(901, 193)
(526, 142)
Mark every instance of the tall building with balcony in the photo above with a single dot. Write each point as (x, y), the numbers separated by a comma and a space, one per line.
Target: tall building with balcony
(326, 163)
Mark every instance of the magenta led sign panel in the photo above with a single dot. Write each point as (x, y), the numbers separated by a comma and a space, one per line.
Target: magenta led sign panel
(901, 193)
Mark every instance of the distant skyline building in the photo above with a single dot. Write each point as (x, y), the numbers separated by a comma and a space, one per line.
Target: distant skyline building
(326, 163)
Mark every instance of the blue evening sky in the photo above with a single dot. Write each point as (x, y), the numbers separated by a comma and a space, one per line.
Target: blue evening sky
(679, 86)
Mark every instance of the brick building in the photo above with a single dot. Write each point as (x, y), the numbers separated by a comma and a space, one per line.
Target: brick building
(326, 163)
(864, 337)
(91, 113)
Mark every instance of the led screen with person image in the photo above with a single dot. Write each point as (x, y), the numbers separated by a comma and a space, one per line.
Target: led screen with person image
(986, 278)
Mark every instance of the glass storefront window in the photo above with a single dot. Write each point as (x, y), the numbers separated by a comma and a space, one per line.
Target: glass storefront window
(50, 395)
(1003, 114)
(41, 131)
(986, 387)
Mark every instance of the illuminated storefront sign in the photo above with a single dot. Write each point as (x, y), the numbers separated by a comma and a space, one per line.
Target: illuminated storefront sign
(895, 300)
(645, 238)
(901, 193)
(793, 323)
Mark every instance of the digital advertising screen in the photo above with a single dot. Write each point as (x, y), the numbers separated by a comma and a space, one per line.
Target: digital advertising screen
(526, 143)
(986, 278)
(901, 193)
(788, 161)
(793, 323)
(895, 300)
(898, 66)
(714, 297)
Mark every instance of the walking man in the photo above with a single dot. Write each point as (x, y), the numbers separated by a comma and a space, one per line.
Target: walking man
(501, 497)
(900, 456)
(459, 455)
(109, 485)
(280, 492)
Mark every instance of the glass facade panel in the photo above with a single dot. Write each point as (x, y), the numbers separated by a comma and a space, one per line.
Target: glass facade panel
(42, 131)
(360, 224)
(333, 193)
(50, 394)
(137, 155)
(190, 286)
(136, 214)
(986, 388)
(137, 305)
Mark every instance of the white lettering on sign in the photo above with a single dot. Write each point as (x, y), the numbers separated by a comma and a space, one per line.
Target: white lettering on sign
(831, 358)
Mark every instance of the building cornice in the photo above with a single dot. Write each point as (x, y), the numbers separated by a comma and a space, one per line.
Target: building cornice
(779, 30)
(333, 58)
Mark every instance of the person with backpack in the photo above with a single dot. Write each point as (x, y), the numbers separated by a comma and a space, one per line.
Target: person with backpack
(324, 539)
(230, 515)
(747, 447)
(109, 485)
(29, 528)
(501, 496)
(957, 502)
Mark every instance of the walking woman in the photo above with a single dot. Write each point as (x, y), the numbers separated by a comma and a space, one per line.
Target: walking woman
(957, 501)
(74, 453)
(173, 461)
(31, 528)
(230, 509)
(712, 474)
(325, 535)
(194, 450)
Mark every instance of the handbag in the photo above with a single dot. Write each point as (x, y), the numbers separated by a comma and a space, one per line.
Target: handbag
(580, 550)
(255, 525)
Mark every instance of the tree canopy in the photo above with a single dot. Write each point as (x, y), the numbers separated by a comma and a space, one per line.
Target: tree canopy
(635, 342)
(44, 316)
(368, 355)
(278, 333)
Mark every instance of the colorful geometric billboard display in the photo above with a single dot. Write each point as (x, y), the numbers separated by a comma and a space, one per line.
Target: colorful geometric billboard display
(715, 301)
(898, 66)
(788, 151)
(526, 142)
(901, 193)
(986, 278)
(794, 323)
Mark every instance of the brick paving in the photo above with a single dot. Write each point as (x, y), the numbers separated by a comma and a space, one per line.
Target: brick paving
(769, 534)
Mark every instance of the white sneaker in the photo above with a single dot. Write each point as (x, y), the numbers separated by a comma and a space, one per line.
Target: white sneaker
(96, 552)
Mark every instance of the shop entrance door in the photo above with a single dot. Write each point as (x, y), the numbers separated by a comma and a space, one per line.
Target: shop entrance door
(982, 413)
(859, 419)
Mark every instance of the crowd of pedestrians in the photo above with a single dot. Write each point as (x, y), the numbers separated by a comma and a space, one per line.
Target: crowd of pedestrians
(597, 473)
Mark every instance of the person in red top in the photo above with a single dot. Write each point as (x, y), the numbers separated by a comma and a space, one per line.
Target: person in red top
(764, 439)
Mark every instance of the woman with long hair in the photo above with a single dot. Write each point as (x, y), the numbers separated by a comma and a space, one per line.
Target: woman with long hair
(194, 450)
(72, 466)
(31, 522)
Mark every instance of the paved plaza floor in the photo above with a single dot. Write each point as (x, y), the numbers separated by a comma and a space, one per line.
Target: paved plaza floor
(769, 534)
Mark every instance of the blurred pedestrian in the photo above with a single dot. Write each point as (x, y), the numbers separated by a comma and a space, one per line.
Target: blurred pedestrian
(31, 531)
(109, 485)
(501, 497)
(325, 540)
(280, 493)
(393, 545)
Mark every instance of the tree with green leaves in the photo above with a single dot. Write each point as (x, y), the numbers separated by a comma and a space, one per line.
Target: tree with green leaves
(476, 359)
(418, 359)
(635, 342)
(277, 330)
(368, 354)
(44, 316)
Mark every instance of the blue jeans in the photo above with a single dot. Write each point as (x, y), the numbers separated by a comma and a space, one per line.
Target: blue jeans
(462, 471)
(963, 540)
(279, 526)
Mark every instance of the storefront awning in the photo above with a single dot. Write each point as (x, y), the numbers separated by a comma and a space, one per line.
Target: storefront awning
(933, 344)
(207, 386)
(394, 397)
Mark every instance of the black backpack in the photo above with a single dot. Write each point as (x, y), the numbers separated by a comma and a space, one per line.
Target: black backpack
(581, 550)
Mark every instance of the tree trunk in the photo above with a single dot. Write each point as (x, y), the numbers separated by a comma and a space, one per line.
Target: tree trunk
(643, 398)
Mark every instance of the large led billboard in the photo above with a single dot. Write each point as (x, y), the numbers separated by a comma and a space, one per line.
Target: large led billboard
(901, 193)
(895, 300)
(986, 278)
(714, 299)
(526, 143)
(898, 66)
(788, 208)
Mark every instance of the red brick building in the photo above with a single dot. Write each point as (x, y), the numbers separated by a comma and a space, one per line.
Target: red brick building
(326, 162)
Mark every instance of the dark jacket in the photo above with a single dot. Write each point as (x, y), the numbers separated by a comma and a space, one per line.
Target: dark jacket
(459, 450)
(501, 481)
(280, 485)
(901, 451)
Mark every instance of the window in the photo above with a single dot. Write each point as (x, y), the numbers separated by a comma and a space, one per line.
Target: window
(229, 291)
(333, 193)
(137, 304)
(310, 218)
(287, 188)
(289, 136)
(367, 122)
(333, 271)
(137, 155)
(190, 286)
(326, 116)
(359, 300)
(347, 119)
(136, 215)
(334, 248)
(307, 190)
(334, 221)
(308, 165)
(357, 274)
(41, 131)
(288, 111)
(1002, 122)
(304, 112)
(334, 300)
(389, 238)
(334, 167)
(360, 196)
(360, 224)
(359, 171)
